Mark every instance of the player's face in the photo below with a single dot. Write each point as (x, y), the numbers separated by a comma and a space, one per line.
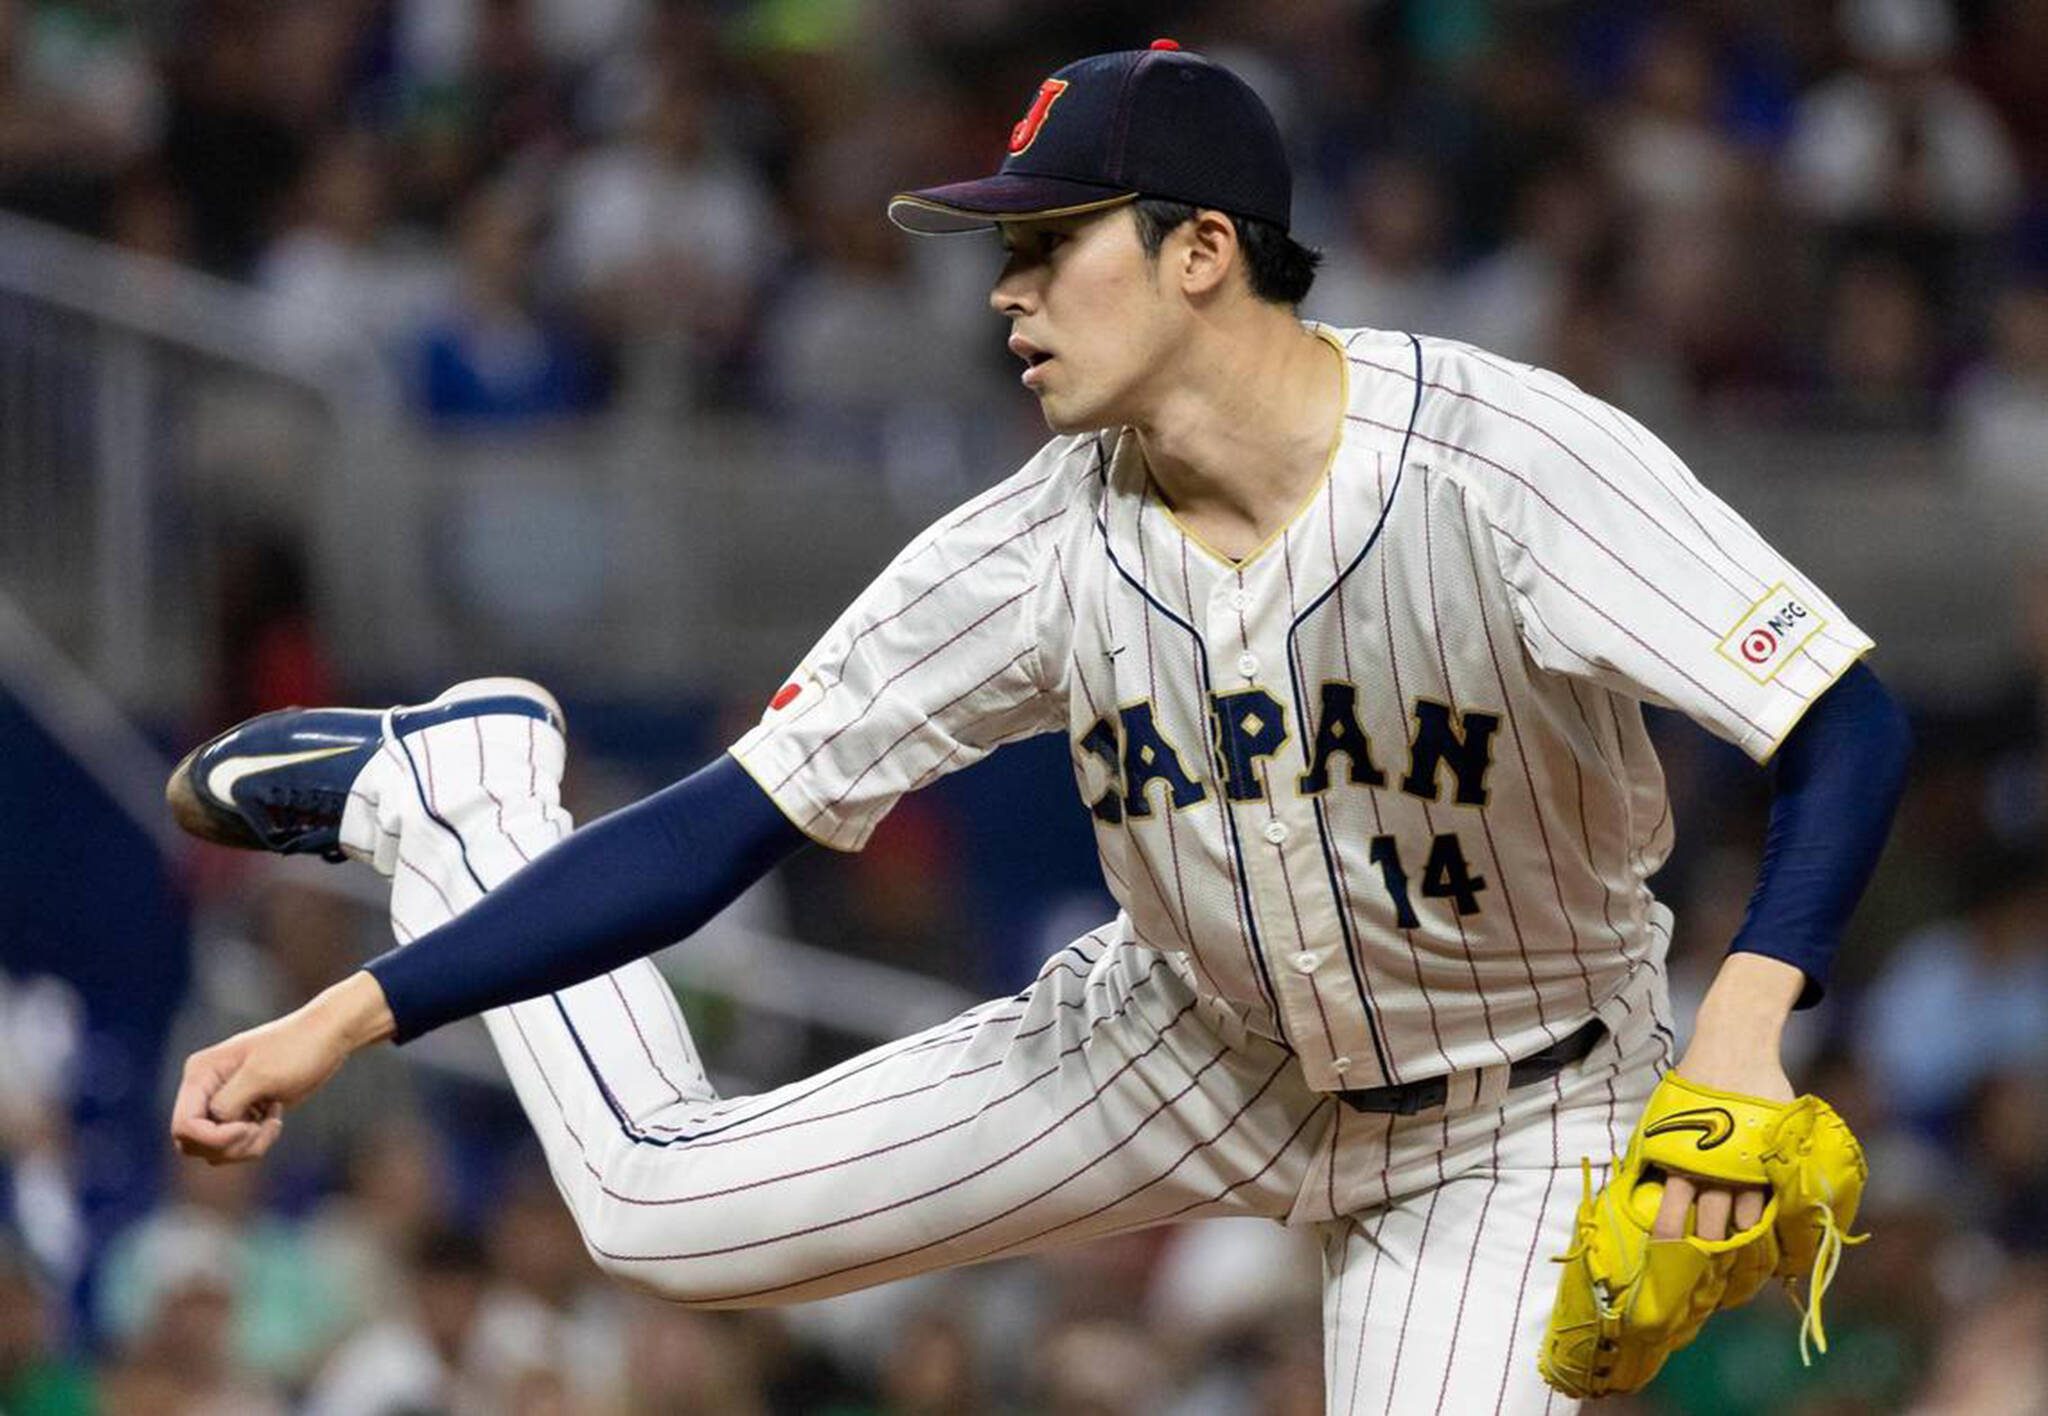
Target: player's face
(1087, 316)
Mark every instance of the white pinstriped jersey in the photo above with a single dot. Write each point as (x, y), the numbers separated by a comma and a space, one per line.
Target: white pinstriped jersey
(1382, 787)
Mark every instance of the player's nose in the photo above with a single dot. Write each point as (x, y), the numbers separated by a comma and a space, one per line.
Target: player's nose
(1010, 296)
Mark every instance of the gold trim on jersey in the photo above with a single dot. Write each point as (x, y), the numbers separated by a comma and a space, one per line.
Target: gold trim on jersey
(1771, 748)
(1321, 483)
(784, 807)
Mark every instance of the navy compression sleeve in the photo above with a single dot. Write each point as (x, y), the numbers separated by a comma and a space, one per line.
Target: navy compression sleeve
(1836, 783)
(613, 891)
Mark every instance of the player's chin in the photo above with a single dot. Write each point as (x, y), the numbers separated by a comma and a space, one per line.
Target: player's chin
(1065, 415)
(1068, 427)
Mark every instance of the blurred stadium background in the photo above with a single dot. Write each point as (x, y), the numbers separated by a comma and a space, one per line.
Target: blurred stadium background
(349, 347)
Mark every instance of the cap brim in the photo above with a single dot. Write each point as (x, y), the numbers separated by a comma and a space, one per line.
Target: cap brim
(1007, 196)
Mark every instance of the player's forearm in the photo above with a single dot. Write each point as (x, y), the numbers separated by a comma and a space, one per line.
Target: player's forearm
(353, 1013)
(1740, 1023)
(612, 892)
(1837, 781)
(1751, 997)
(1737, 1032)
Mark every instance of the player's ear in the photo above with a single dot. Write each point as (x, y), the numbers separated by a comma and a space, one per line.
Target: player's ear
(1209, 252)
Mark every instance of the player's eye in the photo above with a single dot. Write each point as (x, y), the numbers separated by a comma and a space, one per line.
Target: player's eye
(1031, 247)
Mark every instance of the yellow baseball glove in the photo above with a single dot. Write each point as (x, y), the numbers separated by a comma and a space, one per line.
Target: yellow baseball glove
(1625, 1301)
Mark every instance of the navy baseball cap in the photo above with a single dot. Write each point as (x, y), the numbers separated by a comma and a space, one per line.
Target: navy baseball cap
(1157, 122)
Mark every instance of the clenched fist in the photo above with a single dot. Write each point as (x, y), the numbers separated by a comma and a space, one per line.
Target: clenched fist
(232, 1098)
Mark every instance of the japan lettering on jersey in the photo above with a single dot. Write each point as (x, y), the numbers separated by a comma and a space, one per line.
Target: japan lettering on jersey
(1382, 787)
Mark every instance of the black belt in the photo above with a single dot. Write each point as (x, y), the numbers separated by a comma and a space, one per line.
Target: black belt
(1407, 1098)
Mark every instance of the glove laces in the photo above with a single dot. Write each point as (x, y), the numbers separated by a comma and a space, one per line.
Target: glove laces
(1813, 1336)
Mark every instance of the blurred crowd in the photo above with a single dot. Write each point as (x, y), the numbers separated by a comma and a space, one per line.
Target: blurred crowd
(539, 211)
(536, 209)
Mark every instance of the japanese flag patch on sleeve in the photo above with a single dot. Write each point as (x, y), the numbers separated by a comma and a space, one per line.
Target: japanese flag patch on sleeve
(1776, 628)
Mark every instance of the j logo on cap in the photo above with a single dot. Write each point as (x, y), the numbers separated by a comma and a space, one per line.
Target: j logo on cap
(1026, 132)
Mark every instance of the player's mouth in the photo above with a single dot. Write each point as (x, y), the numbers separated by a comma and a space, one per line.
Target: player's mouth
(1035, 359)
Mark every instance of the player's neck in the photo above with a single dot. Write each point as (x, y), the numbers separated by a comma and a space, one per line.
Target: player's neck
(1244, 433)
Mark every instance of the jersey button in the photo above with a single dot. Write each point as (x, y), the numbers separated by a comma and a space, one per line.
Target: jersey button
(1248, 665)
(1276, 831)
(1240, 599)
(1305, 962)
(1340, 1064)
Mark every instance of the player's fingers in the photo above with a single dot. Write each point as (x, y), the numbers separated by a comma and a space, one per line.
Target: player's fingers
(259, 1138)
(203, 1138)
(1678, 1194)
(1749, 1207)
(188, 1107)
(197, 1083)
(1710, 1212)
(243, 1096)
(194, 1129)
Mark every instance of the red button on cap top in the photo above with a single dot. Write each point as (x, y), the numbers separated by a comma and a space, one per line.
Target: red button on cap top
(1165, 44)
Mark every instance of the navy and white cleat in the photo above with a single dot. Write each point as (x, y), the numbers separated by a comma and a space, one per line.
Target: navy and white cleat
(280, 781)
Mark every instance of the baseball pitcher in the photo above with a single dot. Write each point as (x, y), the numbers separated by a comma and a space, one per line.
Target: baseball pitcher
(1348, 633)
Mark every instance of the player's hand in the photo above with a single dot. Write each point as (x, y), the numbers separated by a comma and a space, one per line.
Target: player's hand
(232, 1097)
(1734, 1048)
(1714, 1205)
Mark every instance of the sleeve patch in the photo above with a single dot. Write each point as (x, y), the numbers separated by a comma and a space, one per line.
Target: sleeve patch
(1775, 628)
(795, 699)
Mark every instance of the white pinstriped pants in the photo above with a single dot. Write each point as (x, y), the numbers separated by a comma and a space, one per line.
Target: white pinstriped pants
(1104, 1098)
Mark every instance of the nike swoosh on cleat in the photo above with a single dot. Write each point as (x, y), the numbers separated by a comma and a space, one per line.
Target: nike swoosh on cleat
(222, 779)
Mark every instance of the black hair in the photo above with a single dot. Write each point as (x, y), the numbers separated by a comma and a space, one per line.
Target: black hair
(1280, 268)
